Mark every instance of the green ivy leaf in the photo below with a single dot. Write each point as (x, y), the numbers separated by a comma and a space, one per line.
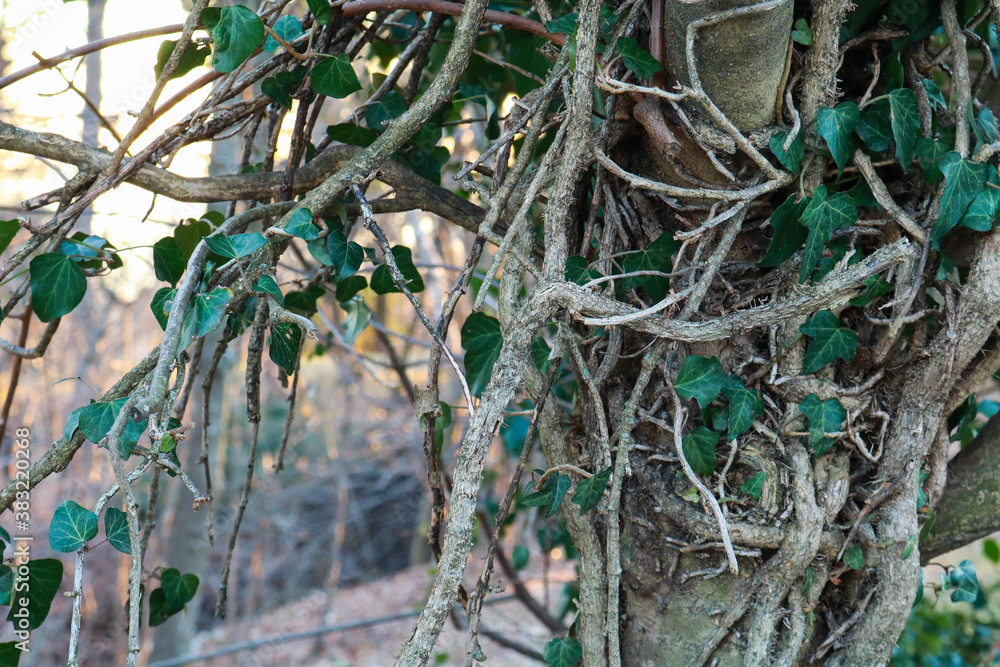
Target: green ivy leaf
(637, 58)
(427, 162)
(562, 652)
(358, 316)
(159, 302)
(288, 28)
(564, 24)
(699, 449)
(440, 424)
(179, 589)
(319, 251)
(96, 419)
(237, 32)
(381, 282)
(57, 285)
(874, 128)
(130, 435)
(754, 486)
(716, 417)
(236, 246)
(347, 256)
(985, 208)
(700, 379)
(80, 247)
(920, 588)
(876, 287)
(481, 340)
(854, 557)
(204, 314)
(792, 158)
(168, 260)
(90, 252)
(822, 217)
(72, 422)
(984, 125)
(905, 124)
(862, 196)
(745, 406)
(175, 592)
(656, 257)
(167, 443)
(116, 528)
(193, 56)
(301, 225)
(788, 233)
(213, 218)
(911, 544)
(836, 251)
(964, 583)
(348, 288)
(590, 491)
(268, 285)
(802, 33)
(963, 416)
(8, 230)
(577, 271)
(964, 180)
(392, 105)
(279, 88)
(304, 303)
(551, 494)
(334, 77)
(836, 126)
(321, 10)
(608, 21)
(283, 348)
(44, 577)
(991, 549)
(934, 94)
(829, 342)
(189, 233)
(824, 417)
(520, 557)
(427, 137)
(6, 588)
(540, 352)
(10, 654)
(72, 526)
(930, 153)
(351, 134)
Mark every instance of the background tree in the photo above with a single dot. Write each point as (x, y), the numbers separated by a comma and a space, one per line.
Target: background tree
(739, 262)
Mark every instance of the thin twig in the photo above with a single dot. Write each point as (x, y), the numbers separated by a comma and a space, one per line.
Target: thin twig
(883, 197)
(704, 490)
(400, 281)
(255, 347)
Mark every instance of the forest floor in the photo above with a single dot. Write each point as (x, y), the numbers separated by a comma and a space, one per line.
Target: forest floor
(377, 645)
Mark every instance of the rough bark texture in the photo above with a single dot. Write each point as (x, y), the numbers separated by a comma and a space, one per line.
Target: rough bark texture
(740, 59)
(969, 506)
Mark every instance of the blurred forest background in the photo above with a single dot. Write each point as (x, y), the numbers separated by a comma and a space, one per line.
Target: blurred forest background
(340, 535)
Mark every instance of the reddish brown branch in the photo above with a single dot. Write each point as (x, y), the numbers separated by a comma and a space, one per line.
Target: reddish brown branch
(183, 93)
(361, 7)
(15, 371)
